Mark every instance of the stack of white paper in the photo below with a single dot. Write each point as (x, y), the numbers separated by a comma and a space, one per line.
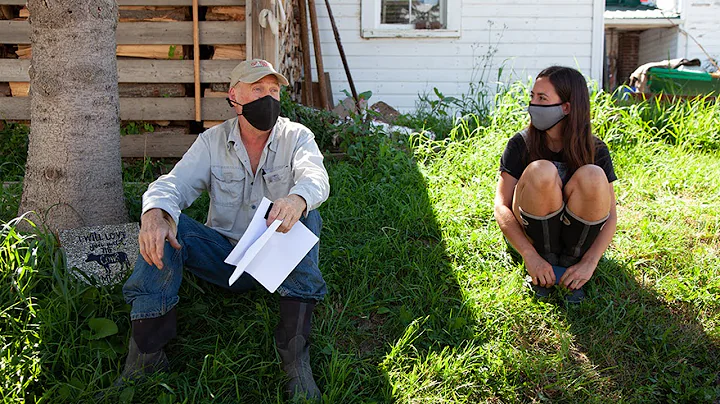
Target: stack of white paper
(267, 255)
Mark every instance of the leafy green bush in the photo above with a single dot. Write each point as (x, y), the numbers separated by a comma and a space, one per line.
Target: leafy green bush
(135, 128)
(332, 133)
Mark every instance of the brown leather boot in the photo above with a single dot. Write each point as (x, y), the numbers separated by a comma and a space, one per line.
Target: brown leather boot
(292, 341)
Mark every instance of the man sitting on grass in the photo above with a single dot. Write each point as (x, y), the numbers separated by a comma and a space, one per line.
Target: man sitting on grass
(238, 162)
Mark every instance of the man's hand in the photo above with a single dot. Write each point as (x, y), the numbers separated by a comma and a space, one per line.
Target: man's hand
(540, 270)
(288, 210)
(577, 275)
(154, 230)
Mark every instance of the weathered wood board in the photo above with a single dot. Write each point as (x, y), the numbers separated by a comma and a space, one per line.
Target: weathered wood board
(148, 33)
(138, 109)
(141, 70)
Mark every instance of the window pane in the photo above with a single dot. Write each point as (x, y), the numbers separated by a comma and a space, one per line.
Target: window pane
(427, 14)
(395, 12)
(424, 14)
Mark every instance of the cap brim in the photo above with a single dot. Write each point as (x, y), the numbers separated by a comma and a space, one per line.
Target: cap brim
(253, 78)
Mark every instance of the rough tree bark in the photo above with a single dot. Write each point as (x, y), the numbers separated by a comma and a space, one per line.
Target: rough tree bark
(73, 175)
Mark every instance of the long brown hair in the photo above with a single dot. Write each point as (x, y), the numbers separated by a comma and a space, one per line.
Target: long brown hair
(578, 141)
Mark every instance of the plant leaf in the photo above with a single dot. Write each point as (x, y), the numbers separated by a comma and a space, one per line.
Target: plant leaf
(102, 327)
(365, 95)
(127, 395)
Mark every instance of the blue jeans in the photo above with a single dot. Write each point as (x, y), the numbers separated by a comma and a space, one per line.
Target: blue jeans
(152, 292)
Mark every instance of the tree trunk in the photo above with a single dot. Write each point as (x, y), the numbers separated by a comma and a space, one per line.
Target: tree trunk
(73, 175)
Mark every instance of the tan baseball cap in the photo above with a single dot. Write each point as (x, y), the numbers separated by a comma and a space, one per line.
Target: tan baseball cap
(251, 71)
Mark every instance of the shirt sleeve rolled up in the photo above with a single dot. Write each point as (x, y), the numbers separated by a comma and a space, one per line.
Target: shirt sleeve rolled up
(309, 174)
(178, 189)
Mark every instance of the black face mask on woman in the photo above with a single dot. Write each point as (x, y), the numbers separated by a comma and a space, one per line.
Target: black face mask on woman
(261, 113)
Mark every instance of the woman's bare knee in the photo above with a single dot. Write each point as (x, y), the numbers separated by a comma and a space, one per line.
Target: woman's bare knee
(541, 175)
(589, 180)
(587, 193)
(539, 190)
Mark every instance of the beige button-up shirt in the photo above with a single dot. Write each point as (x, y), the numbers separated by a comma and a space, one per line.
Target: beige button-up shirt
(291, 163)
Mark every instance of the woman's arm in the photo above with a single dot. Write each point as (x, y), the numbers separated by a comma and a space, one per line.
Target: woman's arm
(540, 270)
(577, 275)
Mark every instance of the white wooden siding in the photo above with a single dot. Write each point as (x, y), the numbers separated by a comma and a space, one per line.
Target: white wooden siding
(528, 35)
(701, 21)
(658, 44)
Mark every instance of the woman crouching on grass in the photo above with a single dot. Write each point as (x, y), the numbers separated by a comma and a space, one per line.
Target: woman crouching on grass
(555, 201)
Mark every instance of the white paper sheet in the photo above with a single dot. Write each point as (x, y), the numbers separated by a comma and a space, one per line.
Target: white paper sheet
(265, 254)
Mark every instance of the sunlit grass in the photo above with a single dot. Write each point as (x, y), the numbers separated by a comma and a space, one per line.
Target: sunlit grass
(425, 305)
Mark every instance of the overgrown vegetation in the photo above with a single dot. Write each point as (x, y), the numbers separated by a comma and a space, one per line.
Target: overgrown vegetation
(425, 305)
(331, 133)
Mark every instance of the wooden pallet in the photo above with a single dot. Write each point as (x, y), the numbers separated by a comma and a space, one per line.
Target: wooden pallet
(155, 67)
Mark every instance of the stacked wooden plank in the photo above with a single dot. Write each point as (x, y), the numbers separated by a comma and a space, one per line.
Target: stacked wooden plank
(155, 67)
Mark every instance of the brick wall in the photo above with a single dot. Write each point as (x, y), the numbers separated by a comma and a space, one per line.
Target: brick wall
(628, 50)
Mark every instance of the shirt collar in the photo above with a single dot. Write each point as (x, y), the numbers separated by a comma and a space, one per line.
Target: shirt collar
(234, 135)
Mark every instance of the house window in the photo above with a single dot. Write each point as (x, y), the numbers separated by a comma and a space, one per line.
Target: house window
(410, 18)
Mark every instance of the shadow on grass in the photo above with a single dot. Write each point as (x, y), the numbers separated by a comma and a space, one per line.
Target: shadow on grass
(645, 349)
(393, 297)
(626, 343)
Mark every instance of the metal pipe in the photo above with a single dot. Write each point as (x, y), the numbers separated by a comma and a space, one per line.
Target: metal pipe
(342, 56)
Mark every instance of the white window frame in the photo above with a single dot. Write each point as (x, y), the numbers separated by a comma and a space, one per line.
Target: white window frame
(371, 27)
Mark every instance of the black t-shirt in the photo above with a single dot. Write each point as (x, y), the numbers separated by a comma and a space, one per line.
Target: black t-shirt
(516, 158)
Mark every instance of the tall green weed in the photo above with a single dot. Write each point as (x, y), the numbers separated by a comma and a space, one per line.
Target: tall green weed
(691, 124)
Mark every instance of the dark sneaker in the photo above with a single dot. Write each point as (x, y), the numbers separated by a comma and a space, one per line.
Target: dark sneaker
(538, 291)
(575, 297)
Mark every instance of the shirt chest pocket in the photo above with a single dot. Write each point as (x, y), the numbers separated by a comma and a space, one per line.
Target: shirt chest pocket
(227, 185)
(278, 182)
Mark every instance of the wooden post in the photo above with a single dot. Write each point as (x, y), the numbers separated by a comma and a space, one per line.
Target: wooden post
(196, 60)
(305, 43)
(264, 42)
(318, 55)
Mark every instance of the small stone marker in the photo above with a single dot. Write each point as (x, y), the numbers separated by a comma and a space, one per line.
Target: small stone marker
(104, 253)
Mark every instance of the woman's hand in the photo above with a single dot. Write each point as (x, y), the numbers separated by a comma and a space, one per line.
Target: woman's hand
(540, 270)
(577, 275)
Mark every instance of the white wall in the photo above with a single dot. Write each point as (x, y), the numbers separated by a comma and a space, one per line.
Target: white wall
(702, 18)
(658, 44)
(529, 36)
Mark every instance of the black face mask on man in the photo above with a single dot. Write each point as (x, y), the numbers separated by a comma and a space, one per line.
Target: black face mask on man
(261, 113)
(544, 117)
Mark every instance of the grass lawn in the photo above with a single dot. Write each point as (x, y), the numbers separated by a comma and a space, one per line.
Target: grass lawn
(424, 303)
